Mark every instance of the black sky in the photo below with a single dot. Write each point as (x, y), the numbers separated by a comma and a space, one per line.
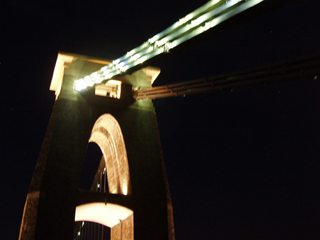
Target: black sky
(242, 164)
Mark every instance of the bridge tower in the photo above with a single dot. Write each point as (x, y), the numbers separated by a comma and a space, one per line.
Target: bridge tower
(138, 205)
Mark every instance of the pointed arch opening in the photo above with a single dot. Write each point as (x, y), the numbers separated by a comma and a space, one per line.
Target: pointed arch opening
(91, 166)
(107, 134)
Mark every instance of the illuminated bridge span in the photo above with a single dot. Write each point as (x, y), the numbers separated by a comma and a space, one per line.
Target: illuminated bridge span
(195, 23)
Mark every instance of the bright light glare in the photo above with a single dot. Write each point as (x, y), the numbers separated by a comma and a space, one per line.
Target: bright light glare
(80, 85)
(105, 214)
(125, 190)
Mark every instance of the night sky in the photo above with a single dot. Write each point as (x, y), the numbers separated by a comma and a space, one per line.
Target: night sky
(242, 164)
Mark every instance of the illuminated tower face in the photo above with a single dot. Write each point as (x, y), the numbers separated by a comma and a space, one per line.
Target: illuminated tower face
(138, 205)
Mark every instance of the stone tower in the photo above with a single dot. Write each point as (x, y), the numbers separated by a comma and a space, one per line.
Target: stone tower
(138, 204)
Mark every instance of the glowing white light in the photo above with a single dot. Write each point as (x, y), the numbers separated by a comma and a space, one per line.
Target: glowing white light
(130, 53)
(134, 57)
(123, 69)
(145, 44)
(105, 214)
(120, 64)
(233, 2)
(198, 21)
(94, 74)
(125, 190)
(115, 82)
(167, 46)
(116, 61)
(141, 60)
(207, 26)
(152, 40)
(80, 85)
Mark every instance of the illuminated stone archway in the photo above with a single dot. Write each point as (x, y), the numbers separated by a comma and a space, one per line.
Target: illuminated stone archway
(106, 133)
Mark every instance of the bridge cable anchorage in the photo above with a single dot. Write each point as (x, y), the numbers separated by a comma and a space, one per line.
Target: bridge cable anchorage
(307, 67)
(192, 25)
